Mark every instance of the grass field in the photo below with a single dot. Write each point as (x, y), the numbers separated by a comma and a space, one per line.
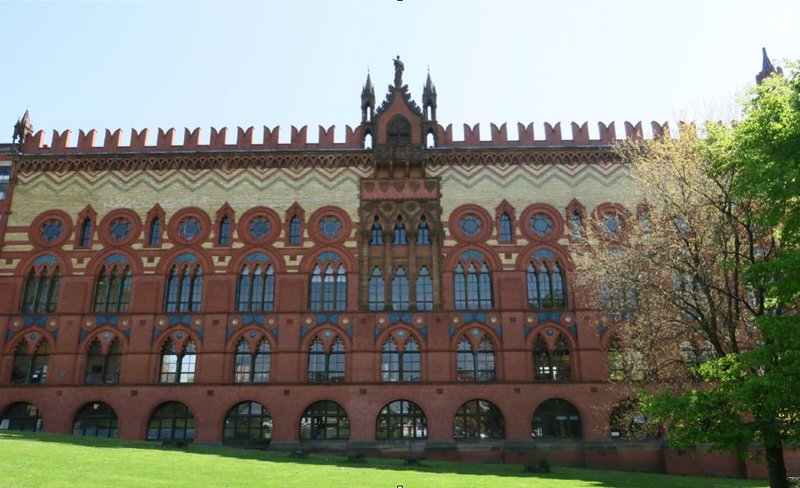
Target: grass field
(46, 460)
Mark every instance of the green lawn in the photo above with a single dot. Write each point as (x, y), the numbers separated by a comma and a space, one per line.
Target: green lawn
(34, 460)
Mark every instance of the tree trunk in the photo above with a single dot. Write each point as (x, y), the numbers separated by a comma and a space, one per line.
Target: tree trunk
(776, 466)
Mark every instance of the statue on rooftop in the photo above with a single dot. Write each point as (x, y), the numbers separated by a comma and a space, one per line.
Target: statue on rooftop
(398, 72)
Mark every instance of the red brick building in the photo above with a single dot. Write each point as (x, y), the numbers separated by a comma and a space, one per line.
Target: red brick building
(397, 293)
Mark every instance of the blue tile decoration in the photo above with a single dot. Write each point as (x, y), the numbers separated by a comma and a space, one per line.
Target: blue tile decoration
(472, 254)
(115, 258)
(544, 254)
(186, 258)
(257, 256)
(45, 259)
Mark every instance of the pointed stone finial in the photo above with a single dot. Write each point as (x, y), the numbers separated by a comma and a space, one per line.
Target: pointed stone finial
(766, 67)
(429, 97)
(22, 129)
(398, 72)
(367, 100)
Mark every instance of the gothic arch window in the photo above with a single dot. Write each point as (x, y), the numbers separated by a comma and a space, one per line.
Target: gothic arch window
(506, 228)
(112, 291)
(326, 364)
(154, 232)
(576, 225)
(178, 367)
(184, 290)
(400, 365)
(475, 363)
(479, 419)
(328, 290)
(472, 285)
(252, 367)
(376, 233)
(224, 235)
(30, 366)
(400, 238)
(423, 232)
(171, 421)
(256, 285)
(546, 283)
(85, 239)
(556, 418)
(551, 364)
(42, 285)
(376, 289)
(424, 289)
(400, 289)
(295, 231)
(96, 419)
(325, 420)
(248, 424)
(21, 416)
(401, 419)
(103, 367)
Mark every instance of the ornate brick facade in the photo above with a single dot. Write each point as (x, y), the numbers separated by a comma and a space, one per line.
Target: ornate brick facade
(290, 274)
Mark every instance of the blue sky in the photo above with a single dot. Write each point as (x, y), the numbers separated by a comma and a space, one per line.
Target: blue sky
(189, 64)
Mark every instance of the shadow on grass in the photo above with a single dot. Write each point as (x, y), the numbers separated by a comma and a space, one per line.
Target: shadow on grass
(596, 477)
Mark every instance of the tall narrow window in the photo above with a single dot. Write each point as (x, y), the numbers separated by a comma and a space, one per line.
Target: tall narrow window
(546, 284)
(38, 370)
(561, 362)
(423, 232)
(506, 232)
(376, 289)
(103, 368)
(113, 290)
(252, 368)
(475, 365)
(542, 362)
(576, 225)
(551, 365)
(224, 231)
(30, 368)
(326, 366)
(295, 231)
(376, 230)
(390, 361)
(154, 237)
(86, 233)
(424, 290)
(5, 172)
(400, 238)
(473, 288)
(400, 289)
(184, 290)
(256, 287)
(178, 368)
(328, 290)
(40, 293)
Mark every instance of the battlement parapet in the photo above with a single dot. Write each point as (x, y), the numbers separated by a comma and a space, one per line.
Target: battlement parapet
(141, 141)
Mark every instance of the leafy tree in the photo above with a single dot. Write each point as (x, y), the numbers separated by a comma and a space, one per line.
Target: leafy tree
(702, 284)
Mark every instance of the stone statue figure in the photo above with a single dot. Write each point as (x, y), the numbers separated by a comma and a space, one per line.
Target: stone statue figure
(398, 72)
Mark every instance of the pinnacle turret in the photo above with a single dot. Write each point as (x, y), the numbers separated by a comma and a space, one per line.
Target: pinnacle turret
(766, 67)
(429, 99)
(367, 100)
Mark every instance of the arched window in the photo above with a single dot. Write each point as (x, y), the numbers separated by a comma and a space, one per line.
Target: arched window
(400, 238)
(400, 366)
(401, 419)
(475, 365)
(295, 231)
(30, 368)
(423, 232)
(325, 420)
(256, 287)
(40, 294)
(473, 287)
(576, 225)
(171, 421)
(184, 291)
(252, 368)
(400, 289)
(112, 291)
(154, 234)
(326, 366)
(479, 419)
(376, 236)
(424, 290)
(86, 233)
(21, 416)
(328, 288)
(556, 418)
(178, 368)
(546, 282)
(551, 365)
(628, 421)
(224, 237)
(506, 231)
(103, 368)
(376, 289)
(248, 424)
(95, 419)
